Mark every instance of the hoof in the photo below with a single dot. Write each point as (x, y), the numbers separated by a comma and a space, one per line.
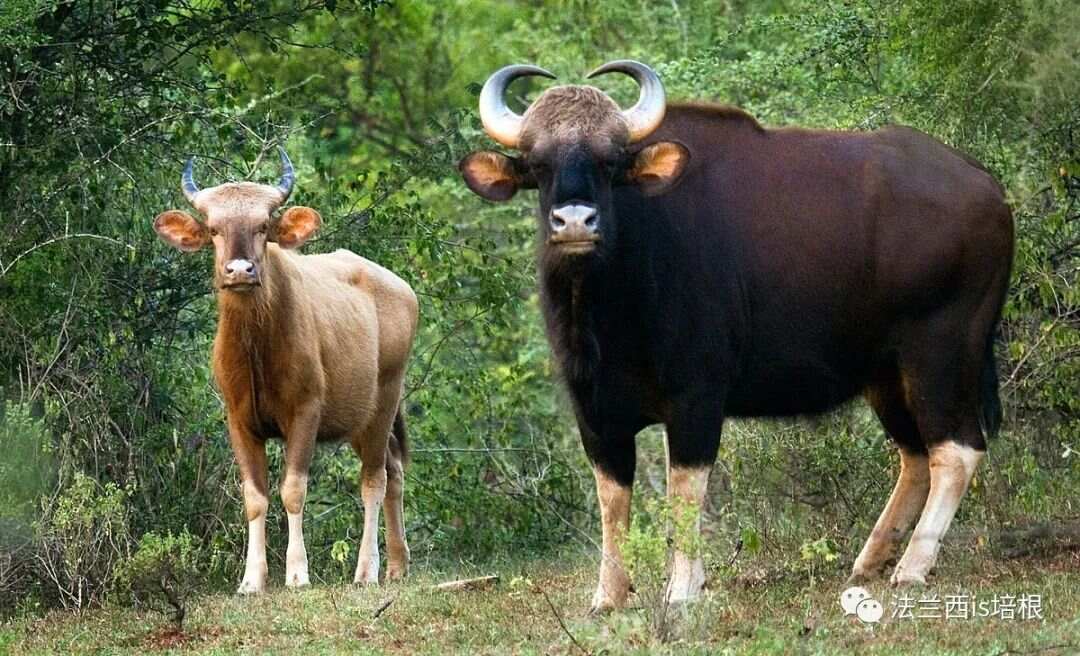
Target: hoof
(367, 571)
(687, 582)
(863, 576)
(298, 580)
(603, 604)
(902, 579)
(395, 572)
(250, 588)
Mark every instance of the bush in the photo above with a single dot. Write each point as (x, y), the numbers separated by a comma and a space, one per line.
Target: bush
(82, 536)
(162, 574)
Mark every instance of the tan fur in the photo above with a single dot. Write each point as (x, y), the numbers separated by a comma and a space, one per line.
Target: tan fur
(659, 160)
(951, 466)
(574, 113)
(614, 585)
(315, 352)
(688, 485)
(902, 509)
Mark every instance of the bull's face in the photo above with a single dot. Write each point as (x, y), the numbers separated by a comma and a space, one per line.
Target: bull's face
(239, 223)
(576, 147)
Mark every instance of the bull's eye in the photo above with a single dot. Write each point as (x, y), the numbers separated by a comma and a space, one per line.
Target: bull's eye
(262, 229)
(213, 232)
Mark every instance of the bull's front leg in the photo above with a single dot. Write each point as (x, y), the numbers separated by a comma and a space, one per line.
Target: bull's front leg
(613, 458)
(693, 438)
(250, 454)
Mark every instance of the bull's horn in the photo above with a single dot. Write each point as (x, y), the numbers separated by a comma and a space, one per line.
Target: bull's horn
(500, 122)
(187, 181)
(288, 176)
(646, 114)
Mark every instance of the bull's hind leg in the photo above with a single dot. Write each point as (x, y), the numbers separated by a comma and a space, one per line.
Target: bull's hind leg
(952, 466)
(912, 485)
(942, 374)
(901, 510)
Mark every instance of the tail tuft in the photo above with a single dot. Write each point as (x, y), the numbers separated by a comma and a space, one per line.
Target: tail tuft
(990, 403)
(399, 438)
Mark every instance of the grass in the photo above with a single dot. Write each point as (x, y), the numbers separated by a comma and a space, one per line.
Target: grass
(752, 608)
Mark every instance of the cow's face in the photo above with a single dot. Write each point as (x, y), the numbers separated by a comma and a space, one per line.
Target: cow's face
(576, 147)
(239, 223)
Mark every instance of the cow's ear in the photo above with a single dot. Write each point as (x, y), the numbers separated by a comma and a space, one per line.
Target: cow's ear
(494, 176)
(180, 230)
(657, 167)
(295, 226)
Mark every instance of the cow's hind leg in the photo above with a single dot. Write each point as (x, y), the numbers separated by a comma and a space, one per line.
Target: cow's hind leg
(371, 445)
(912, 485)
(397, 549)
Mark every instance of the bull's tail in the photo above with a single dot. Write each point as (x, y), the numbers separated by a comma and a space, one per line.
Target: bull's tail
(990, 414)
(399, 438)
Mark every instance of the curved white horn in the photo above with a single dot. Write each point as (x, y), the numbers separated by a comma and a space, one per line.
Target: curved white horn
(500, 122)
(646, 114)
(187, 181)
(288, 176)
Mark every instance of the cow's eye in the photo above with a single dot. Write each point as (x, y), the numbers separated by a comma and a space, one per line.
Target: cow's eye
(262, 229)
(213, 232)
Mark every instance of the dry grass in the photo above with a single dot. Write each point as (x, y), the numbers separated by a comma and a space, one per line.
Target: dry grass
(779, 612)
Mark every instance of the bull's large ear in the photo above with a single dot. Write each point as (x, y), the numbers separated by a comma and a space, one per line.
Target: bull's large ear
(657, 167)
(495, 176)
(295, 226)
(180, 230)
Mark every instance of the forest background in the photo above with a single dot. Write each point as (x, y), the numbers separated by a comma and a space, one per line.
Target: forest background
(112, 433)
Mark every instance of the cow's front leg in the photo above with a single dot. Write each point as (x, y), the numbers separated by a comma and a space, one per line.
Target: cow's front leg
(250, 454)
(613, 461)
(693, 437)
(299, 448)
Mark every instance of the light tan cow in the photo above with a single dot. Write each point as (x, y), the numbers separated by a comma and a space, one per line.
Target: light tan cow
(309, 348)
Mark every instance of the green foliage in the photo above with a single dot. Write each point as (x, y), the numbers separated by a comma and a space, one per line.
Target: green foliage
(25, 469)
(664, 525)
(83, 533)
(162, 573)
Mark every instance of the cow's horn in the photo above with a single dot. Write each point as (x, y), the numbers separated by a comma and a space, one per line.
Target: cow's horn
(187, 181)
(645, 116)
(500, 122)
(288, 176)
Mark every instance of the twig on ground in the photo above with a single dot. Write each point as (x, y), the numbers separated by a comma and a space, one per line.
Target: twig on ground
(562, 624)
(382, 608)
(477, 583)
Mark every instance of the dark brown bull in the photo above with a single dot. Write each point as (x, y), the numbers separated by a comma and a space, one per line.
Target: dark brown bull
(309, 348)
(695, 266)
